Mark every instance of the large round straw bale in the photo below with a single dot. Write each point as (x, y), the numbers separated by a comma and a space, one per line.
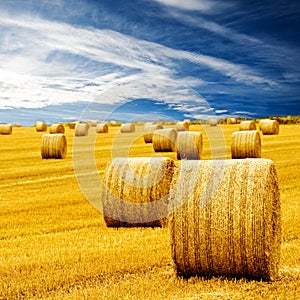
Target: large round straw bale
(182, 126)
(57, 128)
(229, 220)
(136, 192)
(163, 140)
(246, 144)
(40, 126)
(6, 129)
(149, 132)
(213, 122)
(247, 125)
(81, 129)
(127, 127)
(102, 128)
(189, 145)
(72, 125)
(230, 121)
(54, 146)
(269, 127)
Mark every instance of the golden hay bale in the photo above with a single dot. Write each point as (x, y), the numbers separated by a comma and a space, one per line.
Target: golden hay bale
(182, 126)
(230, 121)
(127, 127)
(72, 125)
(229, 221)
(81, 129)
(189, 145)
(54, 146)
(269, 127)
(163, 140)
(113, 123)
(136, 192)
(148, 135)
(247, 125)
(93, 123)
(246, 144)
(102, 128)
(17, 125)
(6, 129)
(40, 126)
(213, 122)
(57, 128)
(148, 124)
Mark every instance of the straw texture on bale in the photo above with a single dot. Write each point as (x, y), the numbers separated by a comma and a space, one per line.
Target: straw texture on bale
(230, 121)
(149, 132)
(40, 126)
(229, 222)
(102, 128)
(245, 144)
(269, 127)
(57, 128)
(81, 129)
(213, 122)
(127, 128)
(132, 186)
(247, 125)
(182, 126)
(189, 145)
(54, 146)
(6, 129)
(163, 140)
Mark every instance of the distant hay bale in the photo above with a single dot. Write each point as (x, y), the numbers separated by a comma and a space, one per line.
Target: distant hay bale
(57, 128)
(229, 221)
(72, 125)
(54, 146)
(81, 129)
(189, 145)
(148, 135)
(246, 144)
(102, 128)
(247, 125)
(17, 125)
(6, 129)
(163, 140)
(182, 126)
(269, 127)
(127, 128)
(93, 123)
(148, 124)
(40, 126)
(213, 122)
(137, 191)
(230, 121)
(113, 123)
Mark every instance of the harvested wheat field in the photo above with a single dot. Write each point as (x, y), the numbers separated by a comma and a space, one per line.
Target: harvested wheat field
(54, 243)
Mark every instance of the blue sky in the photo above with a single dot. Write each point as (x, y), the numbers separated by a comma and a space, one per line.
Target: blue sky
(63, 60)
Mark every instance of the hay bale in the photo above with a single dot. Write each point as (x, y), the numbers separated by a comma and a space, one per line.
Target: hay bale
(40, 126)
(148, 124)
(213, 122)
(93, 123)
(269, 127)
(148, 135)
(247, 125)
(230, 121)
(6, 129)
(189, 145)
(81, 129)
(228, 223)
(182, 126)
(17, 125)
(136, 192)
(245, 144)
(102, 128)
(72, 125)
(127, 128)
(54, 146)
(163, 140)
(113, 123)
(57, 128)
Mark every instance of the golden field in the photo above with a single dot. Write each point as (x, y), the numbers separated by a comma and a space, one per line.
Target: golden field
(55, 245)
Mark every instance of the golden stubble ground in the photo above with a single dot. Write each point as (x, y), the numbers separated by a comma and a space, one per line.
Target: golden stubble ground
(54, 244)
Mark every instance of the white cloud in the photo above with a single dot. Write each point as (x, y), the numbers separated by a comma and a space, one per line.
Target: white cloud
(198, 5)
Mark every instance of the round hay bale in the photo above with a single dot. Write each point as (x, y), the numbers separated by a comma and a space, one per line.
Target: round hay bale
(247, 125)
(57, 128)
(182, 126)
(54, 146)
(113, 123)
(102, 128)
(213, 122)
(17, 125)
(189, 145)
(93, 123)
(230, 121)
(229, 222)
(163, 140)
(81, 129)
(136, 192)
(269, 127)
(149, 132)
(148, 124)
(245, 144)
(5, 129)
(72, 125)
(40, 126)
(127, 128)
